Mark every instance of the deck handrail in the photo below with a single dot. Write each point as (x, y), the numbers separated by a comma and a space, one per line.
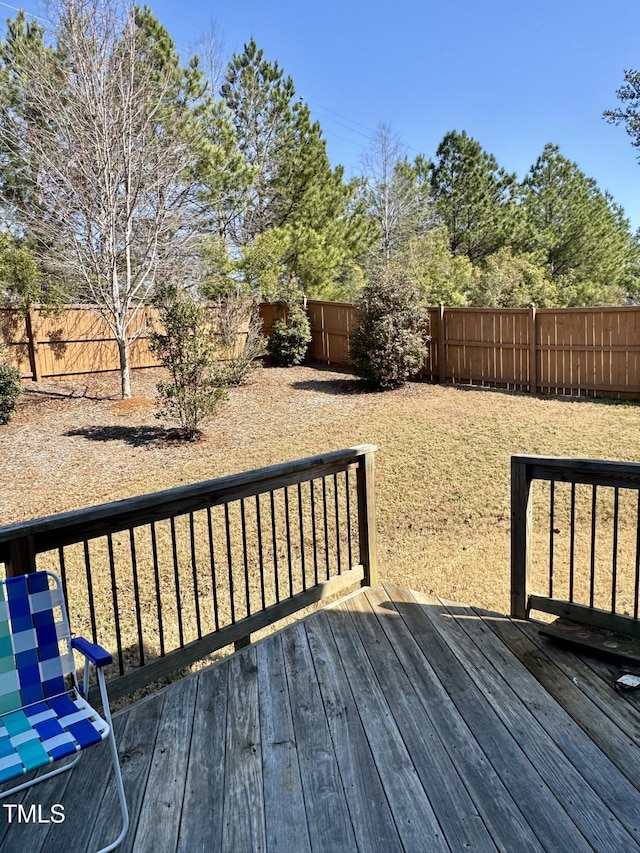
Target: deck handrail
(314, 524)
(525, 470)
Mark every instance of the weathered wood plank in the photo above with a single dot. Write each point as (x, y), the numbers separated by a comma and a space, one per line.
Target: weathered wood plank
(521, 529)
(243, 815)
(603, 714)
(588, 615)
(593, 639)
(285, 816)
(328, 817)
(368, 806)
(494, 801)
(415, 819)
(202, 807)
(597, 471)
(539, 806)
(159, 819)
(136, 744)
(593, 765)
(595, 820)
(456, 812)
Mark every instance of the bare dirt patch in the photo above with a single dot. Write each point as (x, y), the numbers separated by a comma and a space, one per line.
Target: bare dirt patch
(442, 467)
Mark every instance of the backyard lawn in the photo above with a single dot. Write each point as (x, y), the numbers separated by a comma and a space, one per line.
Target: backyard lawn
(442, 468)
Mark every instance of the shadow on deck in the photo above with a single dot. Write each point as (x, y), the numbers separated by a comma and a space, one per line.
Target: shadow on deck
(390, 721)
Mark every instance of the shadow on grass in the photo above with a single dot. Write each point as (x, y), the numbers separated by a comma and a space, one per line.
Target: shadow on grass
(135, 436)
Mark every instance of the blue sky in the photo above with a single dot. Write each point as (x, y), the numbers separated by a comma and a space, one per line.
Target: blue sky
(514, 75)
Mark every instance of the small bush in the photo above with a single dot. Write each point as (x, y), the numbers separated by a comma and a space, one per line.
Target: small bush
(187, 350)
(10, 389)
(390, 343)
(241, 337)
(290, 337)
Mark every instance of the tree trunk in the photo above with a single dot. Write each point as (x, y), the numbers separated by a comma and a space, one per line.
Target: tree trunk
(125, 370)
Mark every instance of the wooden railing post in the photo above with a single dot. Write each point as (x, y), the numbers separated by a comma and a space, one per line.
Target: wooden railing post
(521, 530)
(22, 557)
(367, 519)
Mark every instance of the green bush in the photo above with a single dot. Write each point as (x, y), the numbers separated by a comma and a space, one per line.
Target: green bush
(187, 350)
(390, 344)
(290, 337)
(10, 390)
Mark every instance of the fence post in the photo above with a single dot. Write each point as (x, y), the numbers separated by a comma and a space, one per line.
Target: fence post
(533, 360)
(521, 530)
(441, 347)
(32, 346)
(367, 519)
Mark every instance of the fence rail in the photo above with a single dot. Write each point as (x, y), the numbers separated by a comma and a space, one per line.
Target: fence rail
(168, 578)
(586, 564)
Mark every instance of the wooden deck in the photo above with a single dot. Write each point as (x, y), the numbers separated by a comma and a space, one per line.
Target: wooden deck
(391, 721)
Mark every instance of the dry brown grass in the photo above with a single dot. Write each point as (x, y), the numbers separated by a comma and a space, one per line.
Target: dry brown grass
(442, 467)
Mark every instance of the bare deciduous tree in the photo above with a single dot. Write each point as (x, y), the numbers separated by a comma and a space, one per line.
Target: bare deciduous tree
(105, 134)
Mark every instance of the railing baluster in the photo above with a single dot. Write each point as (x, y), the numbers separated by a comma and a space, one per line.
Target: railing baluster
(245, 557)
(314, 532)
(176, 577)
(614, 560)
(229, 564)
(63, 576)
(274, 545)
(260, 553)
(335, 496)
(592, 581)
(156, 576)
(303, 567)
(92, 608)
(214, 582)
(116, 609)
(349, 543)
(636, 591)
(572, 541)
(286, 512)
(325, 520)
(194, 569)
(136, 590)
(552, 494)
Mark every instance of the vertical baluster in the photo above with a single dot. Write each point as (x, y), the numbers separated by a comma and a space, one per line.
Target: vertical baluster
(335, 496)
(303, 567)
(92, 609)
(136, 591)
(572, 541)
(260, 553)
(592, 580)
(274, 545)
(214, 582)
(614, 560)
(349, 545)
(325, 519)
(156, 576)
(176, 577)
(63, 575)
(286, 512)
(245, 557)
(116, 610)
(230, 564)
(314, 531)
(637, 585)
(194, 570)
(552, 486)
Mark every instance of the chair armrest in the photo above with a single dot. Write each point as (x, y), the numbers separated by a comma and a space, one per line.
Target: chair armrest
(96, 654)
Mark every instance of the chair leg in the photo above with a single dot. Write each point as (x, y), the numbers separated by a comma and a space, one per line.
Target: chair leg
(42, 778)
(116, 767)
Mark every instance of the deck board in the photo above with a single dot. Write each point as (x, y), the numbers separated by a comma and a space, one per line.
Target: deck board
(391, 721)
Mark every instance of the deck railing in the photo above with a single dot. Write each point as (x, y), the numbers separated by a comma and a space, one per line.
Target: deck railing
(585, 563)
(168, 578)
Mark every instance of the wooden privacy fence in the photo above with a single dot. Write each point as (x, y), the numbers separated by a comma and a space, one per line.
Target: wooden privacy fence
(584, 561)
(577, 351)
(165, 579)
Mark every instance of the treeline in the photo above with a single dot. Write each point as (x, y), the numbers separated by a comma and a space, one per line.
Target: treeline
(123, 167)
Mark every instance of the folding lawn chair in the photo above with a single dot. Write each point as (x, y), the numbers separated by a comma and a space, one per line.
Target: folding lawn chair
(44, 715)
